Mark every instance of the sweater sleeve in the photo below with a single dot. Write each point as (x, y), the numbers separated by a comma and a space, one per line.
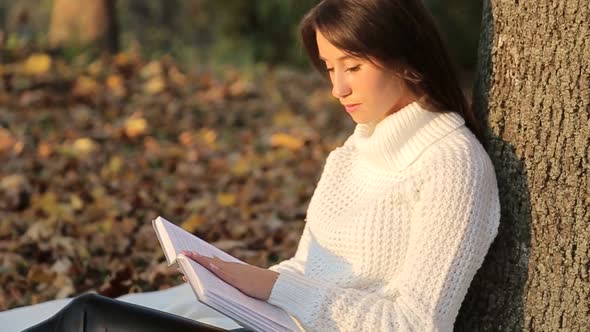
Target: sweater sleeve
(452, 227)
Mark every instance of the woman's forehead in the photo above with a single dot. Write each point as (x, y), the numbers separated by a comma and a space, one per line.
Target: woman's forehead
(327, 51)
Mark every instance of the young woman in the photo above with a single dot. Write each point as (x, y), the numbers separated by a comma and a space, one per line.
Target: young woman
(405, 211)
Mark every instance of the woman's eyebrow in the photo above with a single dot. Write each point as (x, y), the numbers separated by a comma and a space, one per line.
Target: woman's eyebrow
(340, 58)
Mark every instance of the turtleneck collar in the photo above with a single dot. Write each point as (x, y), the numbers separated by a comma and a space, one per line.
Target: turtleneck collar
(397, 140)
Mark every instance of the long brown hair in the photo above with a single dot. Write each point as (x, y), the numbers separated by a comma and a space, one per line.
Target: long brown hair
(402, 35)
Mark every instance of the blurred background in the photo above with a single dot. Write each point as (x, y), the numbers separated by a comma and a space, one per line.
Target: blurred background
(113, 112)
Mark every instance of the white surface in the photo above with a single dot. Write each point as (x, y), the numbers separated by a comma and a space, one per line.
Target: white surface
(179, 300)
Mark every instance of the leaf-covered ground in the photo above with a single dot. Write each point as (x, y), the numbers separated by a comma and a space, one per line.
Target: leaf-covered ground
(89, 155)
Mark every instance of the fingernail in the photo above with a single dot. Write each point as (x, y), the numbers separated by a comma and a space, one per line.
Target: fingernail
(213, 266)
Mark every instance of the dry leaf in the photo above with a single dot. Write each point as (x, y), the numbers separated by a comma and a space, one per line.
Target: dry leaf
(153, 68)
(122, 59)
(155, 85)
(192, 223)
(37, 64)
(135, 126)
(44, 150)
(65, 285)
(128, 225)
(76, 202)
(85, 87)
(7, 141)
(286, 141)
(62, 266)
(95, 68)
(242, 167)
(177, 77)
(116, 85)
(208, 136)
(39, 231)
(46, 202)
(84, 146)
(40, 274)
(186, 138)
(226, 199)
(115, 164)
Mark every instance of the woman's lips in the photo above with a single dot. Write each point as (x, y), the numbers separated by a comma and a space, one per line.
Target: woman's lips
(351, 107)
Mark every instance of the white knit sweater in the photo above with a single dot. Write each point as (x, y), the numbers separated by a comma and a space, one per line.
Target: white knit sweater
(402, 217)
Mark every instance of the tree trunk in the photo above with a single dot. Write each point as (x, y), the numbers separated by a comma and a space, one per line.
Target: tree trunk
(88, 22)
(534, 82)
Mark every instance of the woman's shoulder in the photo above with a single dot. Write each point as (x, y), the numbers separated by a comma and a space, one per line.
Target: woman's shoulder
(460, 150)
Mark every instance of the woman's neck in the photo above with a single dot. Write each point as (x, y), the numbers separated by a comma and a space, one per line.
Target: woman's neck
(407, 99)
(399, 139)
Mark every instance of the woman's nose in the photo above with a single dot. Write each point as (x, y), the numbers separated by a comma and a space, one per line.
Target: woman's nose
(340, 88)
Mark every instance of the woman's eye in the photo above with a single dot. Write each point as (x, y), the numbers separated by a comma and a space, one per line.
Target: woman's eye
(353, 69)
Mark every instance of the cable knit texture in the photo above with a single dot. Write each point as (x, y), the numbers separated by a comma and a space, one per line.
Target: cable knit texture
(402, 218)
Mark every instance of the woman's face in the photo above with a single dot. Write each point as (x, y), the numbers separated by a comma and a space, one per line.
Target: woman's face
(368, 92)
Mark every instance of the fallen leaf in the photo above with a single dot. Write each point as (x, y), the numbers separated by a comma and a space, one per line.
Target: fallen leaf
(135, 126)
(242, 167)
(153, 68)
(226, 199)
(37, 64)
(76, 202)
(154, 85)
(286, 141)
(61, 266)
(65, 285)
(39, 231)
(7, 141)
(44, 150)
(192, 223)
(208, 136)
(95, 68)
(40, 274)
(84, 146)
(115, 164)
(46, 202)
(177, 77)
(186, 138)
(122, 59)
(85, 87)
(18, 147)
(116, 85)
(16, 192)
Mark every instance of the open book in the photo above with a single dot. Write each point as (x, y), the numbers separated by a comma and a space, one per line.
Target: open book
(211, 290)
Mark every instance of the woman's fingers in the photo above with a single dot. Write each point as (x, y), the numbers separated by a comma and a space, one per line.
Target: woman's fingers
(194, 256)
(213, 264)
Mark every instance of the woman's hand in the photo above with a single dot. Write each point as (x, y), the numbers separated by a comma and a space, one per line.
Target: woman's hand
(250, 280)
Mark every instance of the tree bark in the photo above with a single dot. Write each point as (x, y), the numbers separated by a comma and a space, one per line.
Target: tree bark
(534, 83)
(88, 22)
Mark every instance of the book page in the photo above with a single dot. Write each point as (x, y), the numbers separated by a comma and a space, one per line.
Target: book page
(208, 285)
(251, 320)
(263, 324)
(183, 240)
